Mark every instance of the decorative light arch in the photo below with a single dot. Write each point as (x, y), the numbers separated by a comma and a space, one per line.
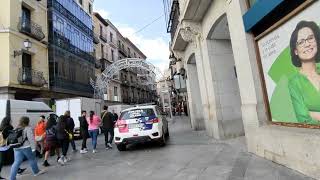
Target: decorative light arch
(102, 81)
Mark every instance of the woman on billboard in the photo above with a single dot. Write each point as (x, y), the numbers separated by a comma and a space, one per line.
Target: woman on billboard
(304, 86)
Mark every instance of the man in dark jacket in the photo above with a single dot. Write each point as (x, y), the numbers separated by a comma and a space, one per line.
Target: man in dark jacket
(84, 131)
(70, 128)
(107, 126)
(115, 116)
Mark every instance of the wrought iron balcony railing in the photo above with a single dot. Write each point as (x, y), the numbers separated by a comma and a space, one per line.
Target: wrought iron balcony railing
(96, 39)
(103, 38)
(30, 28)
(122, 51)
(27, 76)
(173, 18)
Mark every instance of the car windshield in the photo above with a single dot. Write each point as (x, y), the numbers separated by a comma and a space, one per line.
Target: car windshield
(137, 113)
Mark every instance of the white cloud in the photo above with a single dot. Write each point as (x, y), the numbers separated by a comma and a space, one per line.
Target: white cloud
(156, 49)
(105, 14)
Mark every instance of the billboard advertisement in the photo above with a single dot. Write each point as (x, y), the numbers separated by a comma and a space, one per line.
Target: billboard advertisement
(290, 58)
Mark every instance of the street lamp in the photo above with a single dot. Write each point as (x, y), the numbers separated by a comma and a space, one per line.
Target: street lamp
(27, 44)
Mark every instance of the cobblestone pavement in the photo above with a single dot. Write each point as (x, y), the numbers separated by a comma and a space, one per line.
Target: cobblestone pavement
(188, 155)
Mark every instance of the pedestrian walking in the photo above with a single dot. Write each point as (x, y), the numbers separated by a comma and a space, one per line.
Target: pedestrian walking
(26, 150)
(70, 129)
(84, 131)
(5, 129)
(107, 126)
(93, 127)
(63, 139)
(51, 141)
(40, 133)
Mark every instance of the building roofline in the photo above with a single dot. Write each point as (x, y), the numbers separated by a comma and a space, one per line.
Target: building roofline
(100, 18)
(136, 48)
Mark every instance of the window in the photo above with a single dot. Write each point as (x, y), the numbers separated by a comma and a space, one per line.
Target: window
(102, 51)
(129, 53)
(134, 55)
(112, 55)
(80, 2)
(119, 44)
(26, 19)
(115, 91)
(111, 37)
(101, 30)
(90, 8)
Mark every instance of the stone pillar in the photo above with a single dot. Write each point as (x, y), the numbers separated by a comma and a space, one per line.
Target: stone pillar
(195, 103)
(249, 83)
(191, 32)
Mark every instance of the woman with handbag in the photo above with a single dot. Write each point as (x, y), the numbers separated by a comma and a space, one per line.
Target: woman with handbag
(94, 122)
(40, 133)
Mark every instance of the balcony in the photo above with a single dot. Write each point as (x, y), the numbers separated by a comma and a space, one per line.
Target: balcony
(31, 29)
(27, 76)
(96, 39)
(103, 38)
(122, 51)
(173, 18)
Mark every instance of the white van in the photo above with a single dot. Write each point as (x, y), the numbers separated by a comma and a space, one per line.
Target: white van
(15, 109)
(75, 106)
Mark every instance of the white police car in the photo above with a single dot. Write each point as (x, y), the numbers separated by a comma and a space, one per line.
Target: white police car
(140, 124)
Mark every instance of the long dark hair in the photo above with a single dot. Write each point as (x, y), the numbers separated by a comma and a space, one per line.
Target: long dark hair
(6, 121)
(294, 37)
(51, 122)
(62, 122)
(91, 116)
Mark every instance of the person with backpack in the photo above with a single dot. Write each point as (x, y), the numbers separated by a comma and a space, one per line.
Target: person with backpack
(24, 148)
(40, 133)
(63, 138)
(51, 142)
(70, 129)
(107, 126)
(94, 122)
(5, 130)
(83, 131)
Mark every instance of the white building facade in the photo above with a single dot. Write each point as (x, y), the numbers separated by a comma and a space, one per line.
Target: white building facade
(226, 92)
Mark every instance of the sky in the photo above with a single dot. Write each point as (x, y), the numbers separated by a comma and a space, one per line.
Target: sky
(130, 16)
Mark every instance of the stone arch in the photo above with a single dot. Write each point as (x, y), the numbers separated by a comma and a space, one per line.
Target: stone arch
(195, 103)
(226, 92)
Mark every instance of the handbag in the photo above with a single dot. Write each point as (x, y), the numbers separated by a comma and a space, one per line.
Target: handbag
(70, 136)
(39, 138)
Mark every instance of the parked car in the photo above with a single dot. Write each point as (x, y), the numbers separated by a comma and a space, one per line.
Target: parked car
(140, 124)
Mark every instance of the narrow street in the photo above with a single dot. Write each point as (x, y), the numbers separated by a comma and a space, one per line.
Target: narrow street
(188, 155)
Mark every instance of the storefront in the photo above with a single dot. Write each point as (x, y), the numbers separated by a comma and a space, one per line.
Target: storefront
(283, 51)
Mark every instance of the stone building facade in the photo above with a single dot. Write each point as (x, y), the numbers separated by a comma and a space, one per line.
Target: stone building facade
(216, 41)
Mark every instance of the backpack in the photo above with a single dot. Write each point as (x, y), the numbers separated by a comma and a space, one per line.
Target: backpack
(15, 138)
